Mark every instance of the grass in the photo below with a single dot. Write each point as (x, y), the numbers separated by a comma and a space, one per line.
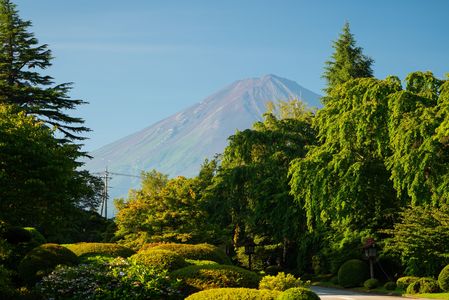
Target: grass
(432, 296)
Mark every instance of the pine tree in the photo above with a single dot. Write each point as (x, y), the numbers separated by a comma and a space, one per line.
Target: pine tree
(347, 62)
(21, 84)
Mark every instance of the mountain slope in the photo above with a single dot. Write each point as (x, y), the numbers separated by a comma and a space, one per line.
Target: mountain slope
(179, 144)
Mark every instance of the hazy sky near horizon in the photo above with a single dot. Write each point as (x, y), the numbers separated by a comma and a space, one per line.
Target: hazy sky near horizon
(139, 61)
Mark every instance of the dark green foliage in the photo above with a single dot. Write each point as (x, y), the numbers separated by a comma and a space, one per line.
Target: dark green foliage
(263, 255)
(36, 236)
(6, 287)
(42, 260)
(420, 227)
(273, 270)
(16, 234)
(352, 273)
(298, 294)
(334, 280)
(443, 279)
(234, 293)
(110, 249)
(197, 278)
(198, 251)
(371, 283)
(348, 61)
(160, 259)
(423, 285)
(21, 57)
(390, 285)
(403, 282)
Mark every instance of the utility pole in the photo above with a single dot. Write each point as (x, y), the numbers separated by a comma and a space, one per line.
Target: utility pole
(104, 203)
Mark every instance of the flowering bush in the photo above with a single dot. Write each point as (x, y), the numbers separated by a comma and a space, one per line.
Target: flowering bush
(281, 282)
(116, 279)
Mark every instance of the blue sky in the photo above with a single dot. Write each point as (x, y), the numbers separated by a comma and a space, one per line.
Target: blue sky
(138, 61)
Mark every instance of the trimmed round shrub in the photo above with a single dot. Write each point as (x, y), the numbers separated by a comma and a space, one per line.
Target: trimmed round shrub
(403, 282)
(352, 273)
(109, 249)
(298, 293)
(160, 259)
(197, 262)
(36, 236)
(43, 259)
(443, 279)
(423, 285)
(198, 278)
(280, 282)
(234, 293)
(371, 283)
(390, 285)
(198, 251)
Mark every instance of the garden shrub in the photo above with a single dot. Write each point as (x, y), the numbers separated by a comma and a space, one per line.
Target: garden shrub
(390, 285)
(423, 285)
(16, 234)
(160, 259)
(197, 251)
(280, 282)
(197, 278)
(334, 279)
(36, 236)
(197, 262)
(235, 294)
(43, 259)
(403, 282)
(352, 273)
(117, 279)
(443, 279)
(298, 293)
(6, 288)
(110, 249)
(371, 283)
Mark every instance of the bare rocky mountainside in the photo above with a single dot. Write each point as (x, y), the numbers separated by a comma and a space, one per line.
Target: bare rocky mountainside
(179, 144)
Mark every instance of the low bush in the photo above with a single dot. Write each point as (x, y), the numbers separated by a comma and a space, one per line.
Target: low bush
(117, 279)
(371, 283)
(160, 259)
(298, 293)
(36, 236)
(281, 282)
(198, 251)
(110, 249)
(390, 285)
(423, 285)
(443, 279)
(235, 294)
(198, 278)
(403, 282)
(352, 273)
(43, 259)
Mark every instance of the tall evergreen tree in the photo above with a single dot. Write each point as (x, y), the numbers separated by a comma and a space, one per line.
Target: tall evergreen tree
(347, 62)
(21, 59)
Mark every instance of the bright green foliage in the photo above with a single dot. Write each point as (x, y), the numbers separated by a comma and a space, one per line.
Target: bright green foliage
(421, 240)
(298, 294)
(250, 193)
(21, 57)
(404, 282)
(423, 285)
(160, 259)
(390, 286)
(197, 278)
(443, 279)
(419, 139)
(117, 279)
(348, 61)
(281, 282)
(109, 249)
(234, 293)
(162, 210)
(352, 273)
(371, 283)
(39, 183)
(43, 259)
(197, 251)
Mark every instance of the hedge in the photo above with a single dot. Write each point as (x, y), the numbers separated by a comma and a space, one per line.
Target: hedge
(43, 259)
(352, 273)
(234, 293)
(423, 285)
(403, 282)
(160, 259)
(109, 249)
